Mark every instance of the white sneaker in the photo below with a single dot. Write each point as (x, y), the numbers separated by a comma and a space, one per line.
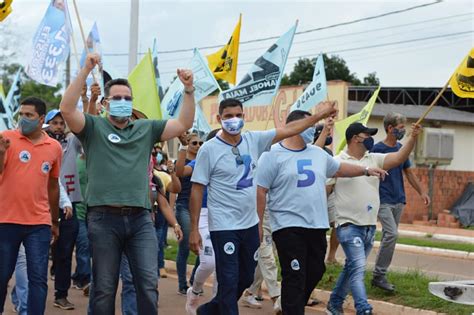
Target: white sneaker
(251, 302)
(277, 306)
(192, 302)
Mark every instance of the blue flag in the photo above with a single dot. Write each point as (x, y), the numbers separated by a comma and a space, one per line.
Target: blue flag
(11, 105)
(316, 91)
(261, 83)
(93, 44)
(205, 84)
(50, 44)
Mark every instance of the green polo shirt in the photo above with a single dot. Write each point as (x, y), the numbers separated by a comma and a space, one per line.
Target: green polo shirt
(117, 160)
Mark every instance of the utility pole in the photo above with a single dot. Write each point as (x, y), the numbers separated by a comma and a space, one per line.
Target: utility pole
(133, 40)
(68, 70)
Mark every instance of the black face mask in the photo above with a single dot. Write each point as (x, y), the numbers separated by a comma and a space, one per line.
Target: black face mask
(328, 140)
(61, 137)
(368, 143)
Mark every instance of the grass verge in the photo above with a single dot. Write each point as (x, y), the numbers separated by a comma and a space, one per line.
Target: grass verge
(412, 287)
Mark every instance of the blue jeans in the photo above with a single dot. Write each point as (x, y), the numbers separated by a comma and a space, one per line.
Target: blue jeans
(160, 226)
(236, 258)
(357, 242)
(129, 295)
(184, 219)
(111, 235)
(19, 293)
(63, 254)
(83, 255)
(36, 239)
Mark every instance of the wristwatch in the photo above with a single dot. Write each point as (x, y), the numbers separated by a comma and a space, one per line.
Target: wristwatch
(366, 171)
(191, 91)
(183, 147)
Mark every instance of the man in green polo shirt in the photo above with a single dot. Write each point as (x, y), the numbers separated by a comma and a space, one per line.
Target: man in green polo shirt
(117, 155)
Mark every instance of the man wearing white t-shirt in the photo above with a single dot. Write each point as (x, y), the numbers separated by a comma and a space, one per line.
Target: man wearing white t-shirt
(293, 174)
(357, 203)
(226, 165)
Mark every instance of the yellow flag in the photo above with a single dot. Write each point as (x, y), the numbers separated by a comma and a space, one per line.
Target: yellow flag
(145, 94)
(362, 117)
(223, 63)
(2, 93)
(462, 80)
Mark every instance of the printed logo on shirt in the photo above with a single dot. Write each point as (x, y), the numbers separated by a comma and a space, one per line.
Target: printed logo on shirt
(295, 265)
(229, 248)
(357, 241)
(45, 167)
(255, 256)
(208, 250)
(114, 138)
(25, 156)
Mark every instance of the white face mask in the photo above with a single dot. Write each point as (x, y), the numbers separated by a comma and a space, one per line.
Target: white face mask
(233, 125)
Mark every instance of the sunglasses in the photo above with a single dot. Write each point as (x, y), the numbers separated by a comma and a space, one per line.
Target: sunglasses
(119, 98)
(238, 158)
(196, 142)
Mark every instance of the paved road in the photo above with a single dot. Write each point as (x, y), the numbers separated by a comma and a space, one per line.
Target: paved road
(170, 302)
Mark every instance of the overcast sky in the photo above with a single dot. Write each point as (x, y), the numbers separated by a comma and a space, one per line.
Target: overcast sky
(189, 24)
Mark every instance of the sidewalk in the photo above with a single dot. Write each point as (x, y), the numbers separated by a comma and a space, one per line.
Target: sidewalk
(441, 233)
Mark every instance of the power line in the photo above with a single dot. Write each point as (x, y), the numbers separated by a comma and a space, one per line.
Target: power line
(301, 32)
(369, 46)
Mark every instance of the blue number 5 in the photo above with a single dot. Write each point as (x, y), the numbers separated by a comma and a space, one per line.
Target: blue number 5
(244, 181)
(310, 177)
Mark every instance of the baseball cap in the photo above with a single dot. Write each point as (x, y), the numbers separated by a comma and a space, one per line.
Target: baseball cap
(356, 128)
(51, 114)
(317, 132)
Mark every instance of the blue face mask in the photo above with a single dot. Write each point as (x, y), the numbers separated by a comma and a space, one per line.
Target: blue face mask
(120, 108)
(27, 126)
(233, 125)
(368, 143)
(398, 133)
(308, 135)
(159, 158)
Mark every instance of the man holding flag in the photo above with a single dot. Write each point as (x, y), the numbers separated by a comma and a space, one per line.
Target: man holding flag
(118, 152)
(227, 165)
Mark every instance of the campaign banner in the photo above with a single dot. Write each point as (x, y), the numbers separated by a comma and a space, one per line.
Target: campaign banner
(50, 44)
(261, 83)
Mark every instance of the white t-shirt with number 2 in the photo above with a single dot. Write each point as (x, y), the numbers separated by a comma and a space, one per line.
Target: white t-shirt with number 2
(232, 200)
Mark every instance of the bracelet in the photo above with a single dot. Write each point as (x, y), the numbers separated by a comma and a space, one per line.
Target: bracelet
(190, 91)
(176, 225)
(366, 171)
(183, 147)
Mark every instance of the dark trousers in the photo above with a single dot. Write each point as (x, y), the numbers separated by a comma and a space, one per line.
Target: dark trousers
(62, 257)
(301, 252)
(36, 240)
(236, 258)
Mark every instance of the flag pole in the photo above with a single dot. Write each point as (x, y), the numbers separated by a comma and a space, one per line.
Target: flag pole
(82, 34)
(270, 114)
(433, 103)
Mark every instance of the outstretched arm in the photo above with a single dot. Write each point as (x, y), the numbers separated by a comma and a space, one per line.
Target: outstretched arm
(75, 118)
(175, 127)
(396, 158)
(326, 109)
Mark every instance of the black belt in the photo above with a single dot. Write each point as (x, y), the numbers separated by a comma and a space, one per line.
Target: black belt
(123, 211)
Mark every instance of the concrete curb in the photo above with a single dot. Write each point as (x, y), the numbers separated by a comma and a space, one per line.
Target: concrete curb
(432, 251)
(380, 307)
(444, 237)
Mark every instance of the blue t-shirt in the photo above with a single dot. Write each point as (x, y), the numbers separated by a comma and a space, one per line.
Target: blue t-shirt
(232, 195)
(204, 196)
(391, 189)
(296, 183)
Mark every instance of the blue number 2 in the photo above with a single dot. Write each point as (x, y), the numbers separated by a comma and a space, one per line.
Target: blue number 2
(310, 177)
(245, 182)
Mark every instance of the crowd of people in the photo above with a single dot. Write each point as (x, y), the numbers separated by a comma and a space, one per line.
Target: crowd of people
(99, 180)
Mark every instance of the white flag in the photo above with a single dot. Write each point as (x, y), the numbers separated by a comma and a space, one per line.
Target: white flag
(316, 91)
(261, 83)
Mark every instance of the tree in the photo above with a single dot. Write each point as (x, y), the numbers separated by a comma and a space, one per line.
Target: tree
(371, 79)
(51, 95)
(335, 67)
